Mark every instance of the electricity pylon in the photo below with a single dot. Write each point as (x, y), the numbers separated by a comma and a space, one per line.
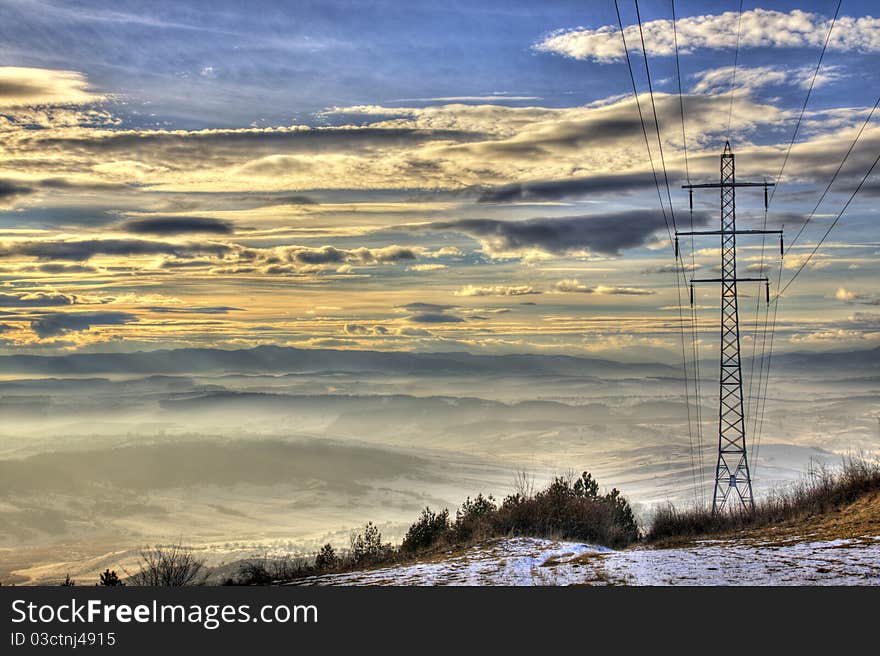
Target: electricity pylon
(732, 469)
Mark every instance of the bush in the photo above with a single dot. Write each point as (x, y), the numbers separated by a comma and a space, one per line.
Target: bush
(474, 518)
(428, 529)
(110, 579)
(821, 492)
(169, 567)
(367, 547)
(571, 510)
(266, 571)
(326, 558)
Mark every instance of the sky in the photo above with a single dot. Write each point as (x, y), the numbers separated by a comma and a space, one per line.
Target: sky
(464, 176)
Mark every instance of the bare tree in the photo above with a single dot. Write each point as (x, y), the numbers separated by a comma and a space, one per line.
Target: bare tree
(172, 566)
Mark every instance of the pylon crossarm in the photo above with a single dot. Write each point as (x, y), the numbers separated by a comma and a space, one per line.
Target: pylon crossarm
(727, 185)
(722, 232)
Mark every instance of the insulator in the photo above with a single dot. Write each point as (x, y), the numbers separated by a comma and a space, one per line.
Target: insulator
(676, 247)
(692, 296)
(781, 248)
(691, 198)
(766, 198)
(768, 292)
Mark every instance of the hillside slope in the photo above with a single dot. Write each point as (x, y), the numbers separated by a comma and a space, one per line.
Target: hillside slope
(836, 548)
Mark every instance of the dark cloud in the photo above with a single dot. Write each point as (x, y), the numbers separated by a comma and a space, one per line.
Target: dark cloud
(84, 249)
(425, 307)
(434, 317)
(36, 299)
(324, 255)
(607, 234)
(10, 190)
(54, 216)
(544, 190)
(64, 184)
(362, 255)
(217, 309)
(60, 323)
(177, 225)
(65, 268)
(270, 201)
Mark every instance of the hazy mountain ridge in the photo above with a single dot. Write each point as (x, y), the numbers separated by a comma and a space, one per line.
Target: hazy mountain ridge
(289, 359)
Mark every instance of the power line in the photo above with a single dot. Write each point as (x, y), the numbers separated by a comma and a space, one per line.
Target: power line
(654, 109)
(678, 272)
(836, 173)
(764, 372)
(831, 227)
(642, 119)
(680, 95)
(657, 185)
(806, 100)
(693, 318)
(803, 264)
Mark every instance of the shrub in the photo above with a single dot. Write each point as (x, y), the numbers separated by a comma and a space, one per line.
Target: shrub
(326, 558)
(428, 529)
(169, 567)
(110, 579)
(266, 571)
(821, 492)
(67, 582)
(475, 518)
(367, 547)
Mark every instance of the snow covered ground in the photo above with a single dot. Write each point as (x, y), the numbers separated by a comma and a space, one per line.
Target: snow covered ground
(530, 561)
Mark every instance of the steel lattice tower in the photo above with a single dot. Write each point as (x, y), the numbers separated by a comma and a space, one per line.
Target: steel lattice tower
(732, 477)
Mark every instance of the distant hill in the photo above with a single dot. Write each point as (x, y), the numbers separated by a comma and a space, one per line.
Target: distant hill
(278, 359)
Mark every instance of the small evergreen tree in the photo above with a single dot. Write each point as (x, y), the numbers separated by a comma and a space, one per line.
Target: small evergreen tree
(110, 579)
(326, 558)
(428, 529)
(366, 547)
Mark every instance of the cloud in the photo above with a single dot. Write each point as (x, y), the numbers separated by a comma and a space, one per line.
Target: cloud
(60, 323)
(177, 225)
(760, 28)
(574, 285)
(36, 299)
(496, 290)
(11, 191)
(362, 330)
(80, 250)
(672, 268)
(843, 294)
(28, 87)
(546, 190)
(426, 307)
(607, 234)
(362, 255)
(65, 268)
(217, 309)
(718, 80)
(433, 317)
(426, 267)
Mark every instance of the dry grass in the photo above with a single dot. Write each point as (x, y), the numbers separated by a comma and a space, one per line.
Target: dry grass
(801, 505)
